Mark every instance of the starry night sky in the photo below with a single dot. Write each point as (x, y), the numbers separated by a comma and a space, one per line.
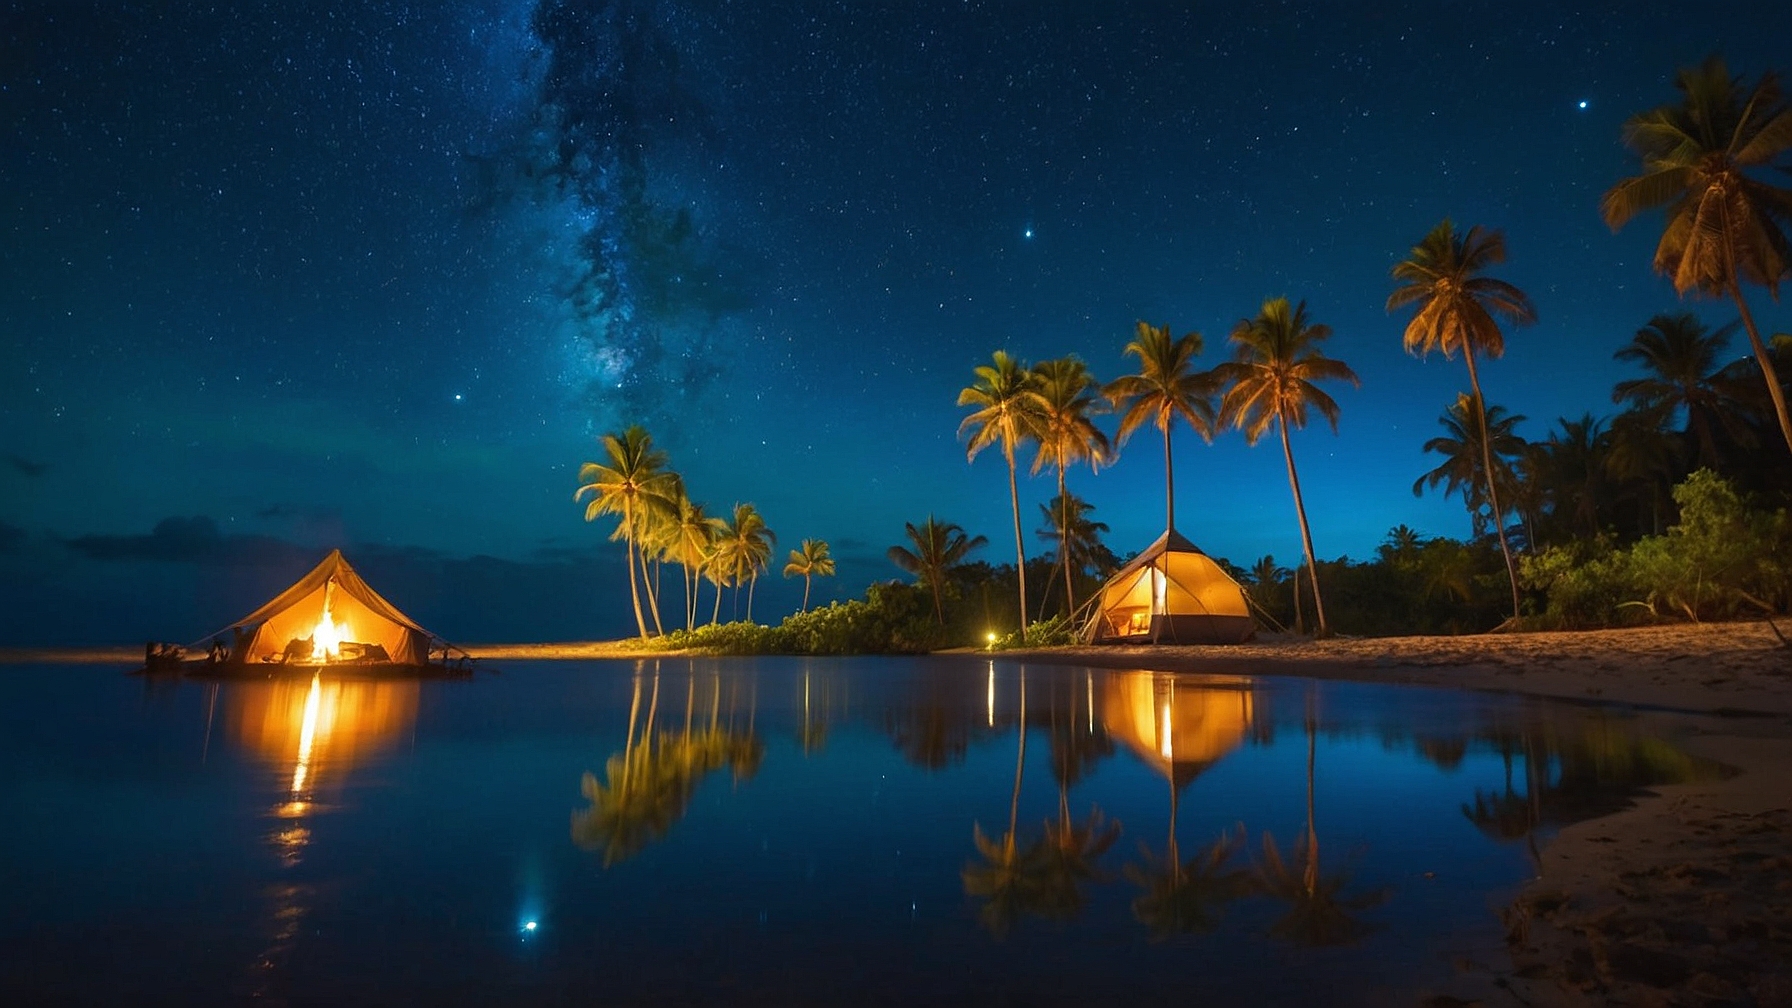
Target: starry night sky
(284, 276)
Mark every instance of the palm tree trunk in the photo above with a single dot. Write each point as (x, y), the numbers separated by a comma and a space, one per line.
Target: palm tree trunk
(1300, 624)
(1020, 549)
(752, 583)
(1764, 359)
(1306, 535)
(653, 602)
(1169, 480)
(1493, 494)
(690, 597)
(1064, 543)
(805, 593)
(634, 592)
(716, 617)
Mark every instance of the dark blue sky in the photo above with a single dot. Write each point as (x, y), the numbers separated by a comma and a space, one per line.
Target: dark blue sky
(304, 269)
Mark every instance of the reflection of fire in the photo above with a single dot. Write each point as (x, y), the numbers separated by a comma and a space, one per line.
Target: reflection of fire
(309, 727)
(327, 638)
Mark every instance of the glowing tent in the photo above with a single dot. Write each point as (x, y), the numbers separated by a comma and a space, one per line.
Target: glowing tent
(1171, 593)
(330, 616)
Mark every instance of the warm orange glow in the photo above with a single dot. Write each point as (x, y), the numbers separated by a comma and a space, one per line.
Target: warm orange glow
(308, 728)
(327, 636)
(1180, 724)
(317, 727)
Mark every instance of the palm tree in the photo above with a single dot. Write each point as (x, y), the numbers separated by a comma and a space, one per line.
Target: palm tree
(1064, 394)
(1459, 312)
(1078, 536)
(1006, 414)
(634, 483)
(1681, 361)
(1272, 376)
(1571, 466)
(1700, 158)
(718, 566)
(693, 533)
(812, 561)
(746, 549)
(1166, 387)
(1465, 452)
(1646, 457)
(939, 547)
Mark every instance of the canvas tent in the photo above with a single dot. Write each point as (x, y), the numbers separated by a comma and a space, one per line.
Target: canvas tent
(1170, 593)
(334, 610)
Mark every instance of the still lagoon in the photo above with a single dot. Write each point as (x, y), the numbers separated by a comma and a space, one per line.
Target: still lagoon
(781, 832)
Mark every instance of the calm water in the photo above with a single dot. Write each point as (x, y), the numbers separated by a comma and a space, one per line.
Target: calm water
(780, 831)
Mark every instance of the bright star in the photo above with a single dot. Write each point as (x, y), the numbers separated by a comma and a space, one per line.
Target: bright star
(1028, 233)
(457, 397)
(1583, 103)
(530, 925)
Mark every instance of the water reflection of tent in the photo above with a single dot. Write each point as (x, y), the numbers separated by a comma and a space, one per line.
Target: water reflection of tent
(1178, 725)
(330, 615)
(1170, 592)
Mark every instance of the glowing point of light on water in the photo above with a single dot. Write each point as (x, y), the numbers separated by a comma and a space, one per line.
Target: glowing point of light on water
(992, 694)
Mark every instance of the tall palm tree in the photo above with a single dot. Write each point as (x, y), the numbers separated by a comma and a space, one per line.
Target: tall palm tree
(718, 566)
(746, 546)
(1458, 312)
(1165, 388)
(1078, 536)
(694, 532)
(633, 482)
(939, 547)
(1702, 160)
(1272, 380)
(1064, 394)
(812, 561)
(1006, 414)
(1465, 452)
(1681, 361)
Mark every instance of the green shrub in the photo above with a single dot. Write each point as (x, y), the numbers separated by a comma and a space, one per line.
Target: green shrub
(1054, 632)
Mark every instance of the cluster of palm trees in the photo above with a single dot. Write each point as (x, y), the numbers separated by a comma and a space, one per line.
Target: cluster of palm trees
(1722, 230)
(1271, 382)
(659, 525)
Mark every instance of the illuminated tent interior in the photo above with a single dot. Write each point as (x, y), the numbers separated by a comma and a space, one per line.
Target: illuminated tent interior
(1170, 593)
(330, 616)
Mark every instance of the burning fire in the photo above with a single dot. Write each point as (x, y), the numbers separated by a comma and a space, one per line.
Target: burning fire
(327, 638)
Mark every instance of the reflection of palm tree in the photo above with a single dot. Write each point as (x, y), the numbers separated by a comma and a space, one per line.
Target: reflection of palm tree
(1318, 912)
(649, 785)
(1009, 878)
(1186, 897)
(1071, 850)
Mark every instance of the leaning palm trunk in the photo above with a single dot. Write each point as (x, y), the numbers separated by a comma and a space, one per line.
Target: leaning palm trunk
(1020, 550)
(653, 591)
(1761, 356)
(752, 583)
(1493, 494)
(634, 591)
(716, 616)
(1306, 535)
